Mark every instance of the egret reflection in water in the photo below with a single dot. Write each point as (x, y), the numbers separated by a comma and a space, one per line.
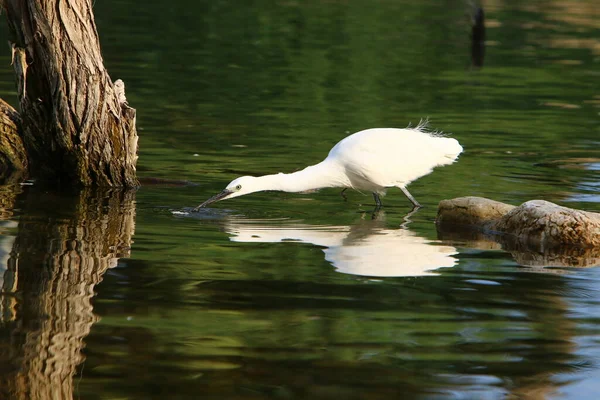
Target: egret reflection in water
(367, 248)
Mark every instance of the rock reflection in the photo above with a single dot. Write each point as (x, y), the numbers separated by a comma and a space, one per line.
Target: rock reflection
(62, 248)
(367, 248)
(525, 254)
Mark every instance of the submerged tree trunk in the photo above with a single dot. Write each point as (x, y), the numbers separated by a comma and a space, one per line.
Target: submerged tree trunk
(76, 125)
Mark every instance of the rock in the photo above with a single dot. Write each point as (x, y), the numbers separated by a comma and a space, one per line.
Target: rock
(471, 212)
(537, 223)
(543, 223)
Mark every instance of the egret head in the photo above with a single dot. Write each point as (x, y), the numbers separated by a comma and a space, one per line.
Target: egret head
(237, 187)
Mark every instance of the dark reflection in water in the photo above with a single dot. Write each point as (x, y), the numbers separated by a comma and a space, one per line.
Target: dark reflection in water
(525, 254)
(228, 88)
(478, 37)
(464, 331)
(62, 248)
(317, 340)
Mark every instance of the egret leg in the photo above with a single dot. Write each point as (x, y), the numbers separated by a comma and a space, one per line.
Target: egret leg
(407, 219)
(378, 215)
(377, 200)
(410, 197)
(343, 195)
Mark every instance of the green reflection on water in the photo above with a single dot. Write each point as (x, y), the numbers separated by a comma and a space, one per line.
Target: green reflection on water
(258, 89)
(227, 88)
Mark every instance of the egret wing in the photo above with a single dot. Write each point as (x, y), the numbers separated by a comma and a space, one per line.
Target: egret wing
(377, 158)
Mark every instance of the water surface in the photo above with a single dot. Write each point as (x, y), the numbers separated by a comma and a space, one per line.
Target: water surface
(124, 295)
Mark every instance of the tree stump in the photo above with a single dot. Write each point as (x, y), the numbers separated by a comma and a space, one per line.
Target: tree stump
(77, 127)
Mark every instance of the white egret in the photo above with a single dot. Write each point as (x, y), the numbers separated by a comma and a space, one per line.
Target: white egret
(370, 160)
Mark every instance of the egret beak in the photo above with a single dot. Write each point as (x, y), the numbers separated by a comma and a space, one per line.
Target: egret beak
(215, 198)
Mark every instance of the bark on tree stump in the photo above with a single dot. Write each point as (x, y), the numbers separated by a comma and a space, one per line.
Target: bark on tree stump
(13, 159)
(536, 222)
(77, 127)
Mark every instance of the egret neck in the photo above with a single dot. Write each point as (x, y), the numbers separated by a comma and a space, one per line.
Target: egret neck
(322, 175)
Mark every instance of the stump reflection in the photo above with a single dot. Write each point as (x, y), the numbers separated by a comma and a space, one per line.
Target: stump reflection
(63, 247)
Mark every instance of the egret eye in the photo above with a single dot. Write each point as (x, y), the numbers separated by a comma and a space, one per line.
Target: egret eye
(238, 187)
